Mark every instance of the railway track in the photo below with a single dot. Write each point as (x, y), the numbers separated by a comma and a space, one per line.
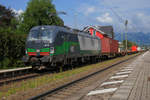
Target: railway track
(68, 89)
(18, 74)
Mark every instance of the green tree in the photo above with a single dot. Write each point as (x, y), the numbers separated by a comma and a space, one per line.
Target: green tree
(38, 13)
(12, 45)
(8, 20)
(6, 15)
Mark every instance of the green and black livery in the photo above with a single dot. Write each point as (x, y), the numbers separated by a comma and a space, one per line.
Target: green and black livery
(48, 46)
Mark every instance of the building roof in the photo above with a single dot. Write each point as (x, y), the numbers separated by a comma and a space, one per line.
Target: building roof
(94, 27)
(106, 29)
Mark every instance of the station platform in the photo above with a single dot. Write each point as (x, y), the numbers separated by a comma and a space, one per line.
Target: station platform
(15, 69)
(130, 82)
(137, 85)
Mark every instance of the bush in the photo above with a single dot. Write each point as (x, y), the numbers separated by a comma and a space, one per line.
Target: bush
(12, 48)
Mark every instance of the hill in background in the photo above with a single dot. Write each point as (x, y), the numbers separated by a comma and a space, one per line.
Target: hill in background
(140, 38)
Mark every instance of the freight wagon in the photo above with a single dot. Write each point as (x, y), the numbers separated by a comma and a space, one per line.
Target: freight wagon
(134, 48)
(109, 47)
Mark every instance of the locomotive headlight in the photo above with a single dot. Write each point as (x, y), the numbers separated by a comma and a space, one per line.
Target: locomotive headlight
(52, 50)
(26, 52)
(37, 50)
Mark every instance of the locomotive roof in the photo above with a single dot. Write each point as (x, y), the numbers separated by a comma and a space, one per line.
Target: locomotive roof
(60, 28)
(50, 26)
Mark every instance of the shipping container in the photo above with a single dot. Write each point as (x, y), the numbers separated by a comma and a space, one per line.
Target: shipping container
(134, 48)
(109, 45)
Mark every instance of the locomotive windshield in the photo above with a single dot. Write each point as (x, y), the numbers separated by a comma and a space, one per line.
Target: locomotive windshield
(41, 34)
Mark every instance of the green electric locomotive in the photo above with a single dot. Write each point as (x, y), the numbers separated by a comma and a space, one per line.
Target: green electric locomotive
(51, 46)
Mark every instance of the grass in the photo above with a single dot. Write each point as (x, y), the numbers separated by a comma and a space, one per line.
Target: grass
(43, 80)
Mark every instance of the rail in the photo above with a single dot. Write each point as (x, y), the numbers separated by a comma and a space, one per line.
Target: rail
(40, 96)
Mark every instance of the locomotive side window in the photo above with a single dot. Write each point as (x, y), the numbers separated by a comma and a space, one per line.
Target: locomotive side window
(59, 38)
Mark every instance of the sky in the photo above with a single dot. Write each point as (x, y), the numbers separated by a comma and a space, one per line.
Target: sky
(81, 13)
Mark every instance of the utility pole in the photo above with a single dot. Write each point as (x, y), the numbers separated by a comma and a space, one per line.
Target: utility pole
(122, 36)
(122, 46)
(75, 20)
(126, 30)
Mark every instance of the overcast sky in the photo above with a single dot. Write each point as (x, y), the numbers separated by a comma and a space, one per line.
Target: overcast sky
(81, 13)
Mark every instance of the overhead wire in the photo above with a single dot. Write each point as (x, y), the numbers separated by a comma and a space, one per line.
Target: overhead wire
(77, 19)
(122, 20)
(118, 16)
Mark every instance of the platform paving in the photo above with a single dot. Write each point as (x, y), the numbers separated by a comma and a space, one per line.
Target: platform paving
(137, 85)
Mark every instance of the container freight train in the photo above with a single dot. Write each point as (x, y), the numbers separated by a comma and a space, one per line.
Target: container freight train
(52, 46)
